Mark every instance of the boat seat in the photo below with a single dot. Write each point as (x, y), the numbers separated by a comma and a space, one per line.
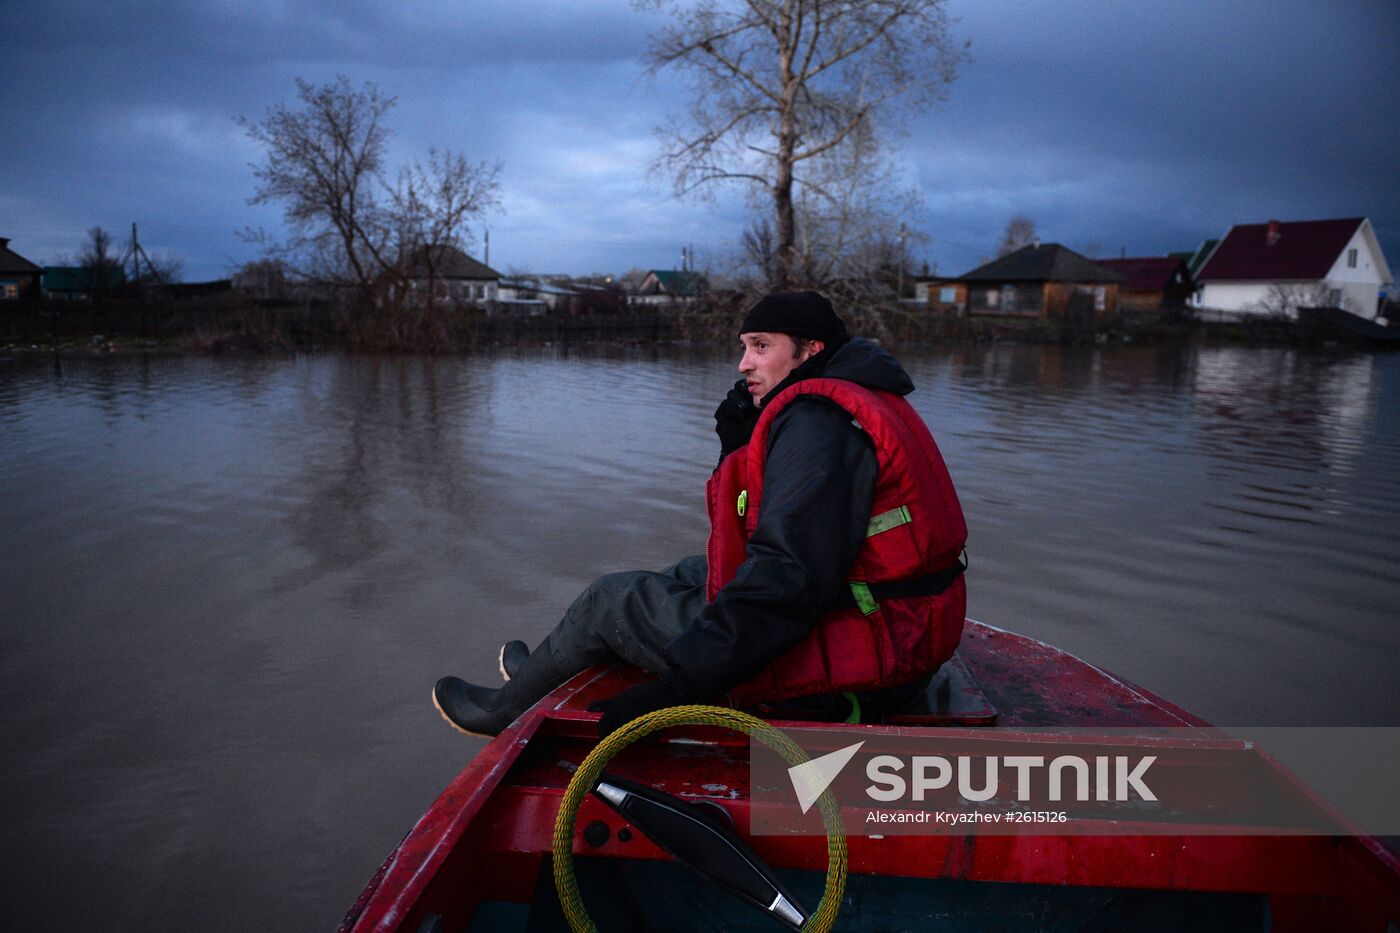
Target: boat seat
(953, 698)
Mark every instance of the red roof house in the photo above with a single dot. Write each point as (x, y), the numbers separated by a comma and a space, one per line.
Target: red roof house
(1151, 283)
(1277, 267)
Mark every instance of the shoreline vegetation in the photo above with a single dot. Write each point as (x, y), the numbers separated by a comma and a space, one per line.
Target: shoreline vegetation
(248, 326)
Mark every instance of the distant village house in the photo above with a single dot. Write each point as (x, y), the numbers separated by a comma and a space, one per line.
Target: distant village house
(1194, 260)
(20, 279)
(541, 295)
(454, 276)
(1275, 268)
(78, 283)
(670, 286)
(941, 295)
(1151, 283)
(1040, 281)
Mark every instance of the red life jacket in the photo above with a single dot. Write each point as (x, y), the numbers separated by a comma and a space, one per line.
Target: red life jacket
(916, 529)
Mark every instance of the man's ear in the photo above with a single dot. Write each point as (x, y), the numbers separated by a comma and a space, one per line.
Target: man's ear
(814, 347)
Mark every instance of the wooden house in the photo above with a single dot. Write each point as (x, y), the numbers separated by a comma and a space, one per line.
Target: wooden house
(941, 295)
(19, 278)
(1043, 280)
(1151, 283)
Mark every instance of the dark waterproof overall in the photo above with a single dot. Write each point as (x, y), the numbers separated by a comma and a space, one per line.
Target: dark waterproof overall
(817, 478)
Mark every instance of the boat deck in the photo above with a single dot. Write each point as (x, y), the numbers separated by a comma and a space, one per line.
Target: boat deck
(487, 839)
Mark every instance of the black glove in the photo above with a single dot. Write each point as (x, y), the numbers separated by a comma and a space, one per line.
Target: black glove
(735, 419)
(667, 690)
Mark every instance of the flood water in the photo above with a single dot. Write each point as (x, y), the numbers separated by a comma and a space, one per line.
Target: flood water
(227, 585)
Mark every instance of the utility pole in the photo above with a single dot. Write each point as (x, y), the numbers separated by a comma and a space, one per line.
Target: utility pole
(135, 254)
(903, 234)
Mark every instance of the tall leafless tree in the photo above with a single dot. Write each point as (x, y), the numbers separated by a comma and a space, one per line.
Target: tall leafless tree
(324, 162)
(98, 265)
(778, 84)
(850, 212)
(1019, 232)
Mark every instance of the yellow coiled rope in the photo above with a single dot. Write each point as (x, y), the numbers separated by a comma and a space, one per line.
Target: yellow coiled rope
(588, 773)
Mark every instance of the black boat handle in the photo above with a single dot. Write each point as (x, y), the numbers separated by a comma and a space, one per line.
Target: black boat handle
(703, 842)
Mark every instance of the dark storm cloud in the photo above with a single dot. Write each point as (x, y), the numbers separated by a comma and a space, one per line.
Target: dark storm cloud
(1140, 126)
(1150, 127)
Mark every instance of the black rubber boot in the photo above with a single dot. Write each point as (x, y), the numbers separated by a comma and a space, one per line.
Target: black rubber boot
(478, 710)
(512, 657)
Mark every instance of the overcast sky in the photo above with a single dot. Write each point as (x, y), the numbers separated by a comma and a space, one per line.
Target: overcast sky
(1143, 127)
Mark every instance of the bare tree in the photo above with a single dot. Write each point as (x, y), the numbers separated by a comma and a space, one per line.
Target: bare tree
(758, 248)
(633, 278)
(99, 267)
(779, 84)
(851, 221)
(165, 268)
(431, 205)
(263, 280)
(1019, 233)
(324, 161)
(1283, 299)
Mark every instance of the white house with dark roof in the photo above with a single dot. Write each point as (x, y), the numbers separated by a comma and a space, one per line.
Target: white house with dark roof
(1275, 268)
(669, 286)
(454, 275)
(554, 297)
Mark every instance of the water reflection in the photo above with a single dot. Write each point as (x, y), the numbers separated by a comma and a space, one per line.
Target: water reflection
(229, 584)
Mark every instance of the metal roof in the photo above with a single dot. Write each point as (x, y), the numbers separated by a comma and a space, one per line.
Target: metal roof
(1041, 262)
(1304, 250)
(78, 279)
(1147, 273)
(453, 264)
(12, 262)
(680, 283)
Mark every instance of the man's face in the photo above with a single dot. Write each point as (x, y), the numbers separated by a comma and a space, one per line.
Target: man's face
(768, 358)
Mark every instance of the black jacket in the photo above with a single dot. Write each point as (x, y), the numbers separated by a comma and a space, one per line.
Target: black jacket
(818, 486)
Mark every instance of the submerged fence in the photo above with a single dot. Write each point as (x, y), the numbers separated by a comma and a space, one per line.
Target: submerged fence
(296, 324)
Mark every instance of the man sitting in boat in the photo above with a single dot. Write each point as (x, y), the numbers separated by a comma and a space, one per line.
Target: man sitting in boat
(831, 586)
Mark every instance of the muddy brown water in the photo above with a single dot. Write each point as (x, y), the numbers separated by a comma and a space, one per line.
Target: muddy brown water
(228, 584)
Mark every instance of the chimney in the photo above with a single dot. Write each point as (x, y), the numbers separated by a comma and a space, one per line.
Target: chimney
(1272, 237)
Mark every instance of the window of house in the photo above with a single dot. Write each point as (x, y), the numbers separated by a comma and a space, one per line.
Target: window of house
(1100, 298)
(9, 291)
(1351, 259)
(1008, 298)
(947, 295)
(1334, 297)
(993, 298)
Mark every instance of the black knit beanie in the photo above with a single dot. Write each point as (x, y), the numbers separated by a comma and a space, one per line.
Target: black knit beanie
(797, 314)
